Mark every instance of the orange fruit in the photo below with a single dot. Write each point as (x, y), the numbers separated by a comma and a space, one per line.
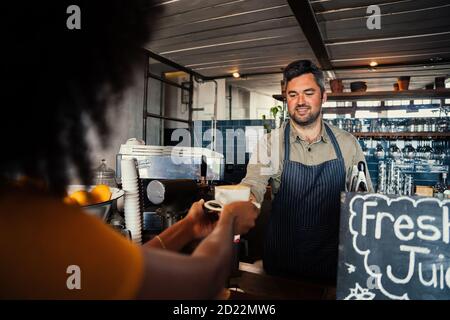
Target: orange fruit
(82, 197)
(100, 193)
(70, 201)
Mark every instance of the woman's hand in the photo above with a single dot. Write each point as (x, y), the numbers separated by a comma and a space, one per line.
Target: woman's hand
(196, 225)
(201, 223)
(244, 214)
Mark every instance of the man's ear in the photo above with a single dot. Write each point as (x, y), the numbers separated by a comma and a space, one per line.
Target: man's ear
(324, 97)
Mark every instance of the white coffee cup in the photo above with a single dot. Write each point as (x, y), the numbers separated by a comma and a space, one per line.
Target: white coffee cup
(227, 194)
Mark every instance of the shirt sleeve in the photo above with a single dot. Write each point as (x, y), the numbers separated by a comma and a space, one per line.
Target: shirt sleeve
(263, 164)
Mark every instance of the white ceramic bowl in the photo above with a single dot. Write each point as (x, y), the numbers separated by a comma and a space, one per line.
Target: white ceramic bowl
(101, 210)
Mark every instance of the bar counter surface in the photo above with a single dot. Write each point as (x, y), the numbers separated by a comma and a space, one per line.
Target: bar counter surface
(254, 284)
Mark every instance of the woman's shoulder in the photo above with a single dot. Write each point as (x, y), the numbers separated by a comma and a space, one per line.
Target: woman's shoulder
(48, 236)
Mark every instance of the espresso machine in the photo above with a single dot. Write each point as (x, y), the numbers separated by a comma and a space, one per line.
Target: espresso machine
(168, 201)
(170, 180)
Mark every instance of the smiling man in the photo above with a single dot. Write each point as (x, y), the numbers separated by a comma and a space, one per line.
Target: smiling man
(315, 163)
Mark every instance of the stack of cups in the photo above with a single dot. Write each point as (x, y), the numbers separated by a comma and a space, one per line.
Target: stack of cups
(130, 184)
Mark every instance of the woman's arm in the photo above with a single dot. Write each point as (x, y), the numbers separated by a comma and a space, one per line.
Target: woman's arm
(195, 225)
(173, 238)
(168, 275)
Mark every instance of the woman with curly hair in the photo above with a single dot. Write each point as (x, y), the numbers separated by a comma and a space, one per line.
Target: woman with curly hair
(58, 83)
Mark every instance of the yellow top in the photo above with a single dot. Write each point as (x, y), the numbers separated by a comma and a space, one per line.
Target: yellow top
(40, 237)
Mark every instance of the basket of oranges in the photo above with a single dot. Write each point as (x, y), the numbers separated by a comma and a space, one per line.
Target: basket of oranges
(97, 200)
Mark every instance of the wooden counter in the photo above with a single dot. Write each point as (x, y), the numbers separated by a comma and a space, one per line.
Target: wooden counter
(254, 284)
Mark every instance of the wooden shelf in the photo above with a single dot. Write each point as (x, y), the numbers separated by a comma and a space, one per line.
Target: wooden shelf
(390, 95)
(401, 135)
(347, 110)
(383, 95)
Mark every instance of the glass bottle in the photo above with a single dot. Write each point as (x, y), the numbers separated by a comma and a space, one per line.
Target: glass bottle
(379, 152)
(419, 123)
(408, 151)
(105, 175)
(440, 187)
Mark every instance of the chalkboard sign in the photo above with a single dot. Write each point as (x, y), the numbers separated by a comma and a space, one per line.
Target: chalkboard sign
(393, 247)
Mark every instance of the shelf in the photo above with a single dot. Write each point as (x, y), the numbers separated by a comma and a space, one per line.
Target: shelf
(423, 172)
(347, 110)
(390, 95)
(393, 135)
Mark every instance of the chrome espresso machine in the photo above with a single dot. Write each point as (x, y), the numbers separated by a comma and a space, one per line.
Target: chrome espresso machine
(171, 179)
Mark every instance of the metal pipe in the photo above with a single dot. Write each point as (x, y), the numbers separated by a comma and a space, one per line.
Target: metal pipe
(154, 115)
(173, 64)
(161, 112)
(171, 83)
(144, 107)
(191, 101)
(230, 92)
(214, 117)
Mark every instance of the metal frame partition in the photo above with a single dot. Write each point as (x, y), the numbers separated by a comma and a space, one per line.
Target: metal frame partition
(187, 87)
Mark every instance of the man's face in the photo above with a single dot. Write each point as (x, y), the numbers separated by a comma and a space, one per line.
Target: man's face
(304, 99)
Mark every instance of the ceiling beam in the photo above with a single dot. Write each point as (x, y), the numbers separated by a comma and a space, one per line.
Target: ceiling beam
(358, 7)
(383, 39)
(307, 20)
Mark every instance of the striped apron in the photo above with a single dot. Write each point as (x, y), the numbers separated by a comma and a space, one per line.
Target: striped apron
(303, 228)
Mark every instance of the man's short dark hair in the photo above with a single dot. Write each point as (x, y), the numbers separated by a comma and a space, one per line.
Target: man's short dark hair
(301, 67)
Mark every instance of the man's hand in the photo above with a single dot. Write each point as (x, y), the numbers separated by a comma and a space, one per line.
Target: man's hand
(244, 214)
(201, 224)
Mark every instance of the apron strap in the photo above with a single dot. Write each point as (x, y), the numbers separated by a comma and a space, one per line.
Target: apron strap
(287, 144)
(337, 149)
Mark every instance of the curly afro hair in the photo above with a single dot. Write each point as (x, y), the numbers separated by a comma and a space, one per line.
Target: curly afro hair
(57, 81)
